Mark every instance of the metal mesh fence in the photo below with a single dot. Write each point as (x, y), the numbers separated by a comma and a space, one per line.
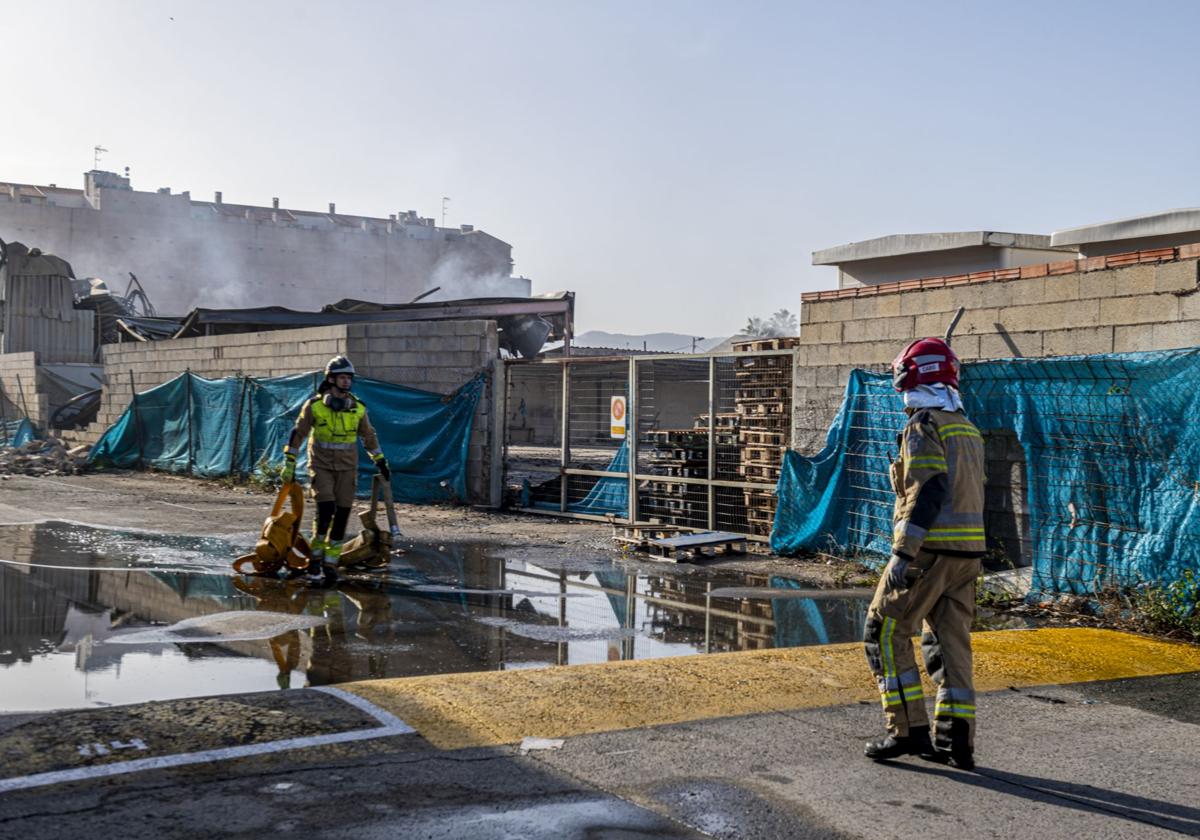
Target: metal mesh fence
(592, 386)
(705, 433)
(1091, 468)
(672, 441)
(533, 434)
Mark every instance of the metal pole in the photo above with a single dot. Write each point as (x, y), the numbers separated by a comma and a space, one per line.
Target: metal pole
(565, 449)
(137, 420)
(191, 460)
(250, 423)
(712, 445)
(237, 427)
(561, 657)
(631, 436)
(630, 608)
(24, 405)
(499, 432)
(707, 616)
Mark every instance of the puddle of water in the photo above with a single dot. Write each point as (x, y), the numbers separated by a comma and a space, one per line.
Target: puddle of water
(234, 626)
(92, 617)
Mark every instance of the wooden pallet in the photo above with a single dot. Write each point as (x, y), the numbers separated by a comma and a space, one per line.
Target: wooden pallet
(698, 546)
(752, 409)
(755, 345)
(757, 437)
(766, 422)
(672, 437)
(639, 536)
(725, 420)
(761, 393)
(764, 472)
(680, 457)
(763, 455)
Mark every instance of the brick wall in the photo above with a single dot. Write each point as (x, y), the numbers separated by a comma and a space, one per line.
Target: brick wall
(19, 389)
(431, 356)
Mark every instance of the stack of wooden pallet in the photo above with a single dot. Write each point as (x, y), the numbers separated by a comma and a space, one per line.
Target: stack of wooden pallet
(763, 402)
(678, 453)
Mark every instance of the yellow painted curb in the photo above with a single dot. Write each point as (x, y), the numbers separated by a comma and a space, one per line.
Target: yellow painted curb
(502, 707)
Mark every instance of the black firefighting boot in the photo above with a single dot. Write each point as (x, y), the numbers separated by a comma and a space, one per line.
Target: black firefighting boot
(960, 752)
(916, 742)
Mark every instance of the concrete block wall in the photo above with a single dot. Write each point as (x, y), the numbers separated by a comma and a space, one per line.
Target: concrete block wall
(431, 356)
(1152, 306)
(274, 353)
(439, 356)
(20, 385)
(1076, 307)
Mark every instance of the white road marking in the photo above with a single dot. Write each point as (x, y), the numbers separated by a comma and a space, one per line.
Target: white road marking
(390, 725)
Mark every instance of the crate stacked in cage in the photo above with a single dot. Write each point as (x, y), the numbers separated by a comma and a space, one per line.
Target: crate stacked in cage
(763, 402)
(683, 453)
(677, 453)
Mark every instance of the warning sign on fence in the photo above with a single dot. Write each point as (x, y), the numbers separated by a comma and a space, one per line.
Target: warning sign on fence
(616, 418)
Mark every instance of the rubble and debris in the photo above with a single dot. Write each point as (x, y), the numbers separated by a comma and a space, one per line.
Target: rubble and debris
(130, 313)
(43, 457)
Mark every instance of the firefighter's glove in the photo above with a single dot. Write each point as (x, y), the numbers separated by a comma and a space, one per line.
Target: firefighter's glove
(289, 466)
(381, 465)
(895, 571)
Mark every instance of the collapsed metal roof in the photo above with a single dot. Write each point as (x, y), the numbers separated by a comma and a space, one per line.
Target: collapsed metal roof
(525, 324)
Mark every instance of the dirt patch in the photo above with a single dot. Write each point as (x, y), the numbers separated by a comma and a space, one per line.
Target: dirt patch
(179, 505)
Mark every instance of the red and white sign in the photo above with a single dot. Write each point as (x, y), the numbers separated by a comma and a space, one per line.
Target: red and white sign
(616, 418)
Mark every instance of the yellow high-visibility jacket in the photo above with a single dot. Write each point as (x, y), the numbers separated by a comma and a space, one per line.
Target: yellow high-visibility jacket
(938, 479)
(335, 434)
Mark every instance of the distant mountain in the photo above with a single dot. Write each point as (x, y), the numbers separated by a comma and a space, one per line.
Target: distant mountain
(665, 342)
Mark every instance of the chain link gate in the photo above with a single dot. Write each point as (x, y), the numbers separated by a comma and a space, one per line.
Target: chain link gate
(702, 446)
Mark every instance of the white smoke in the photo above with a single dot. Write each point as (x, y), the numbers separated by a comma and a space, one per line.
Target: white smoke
(456, 278)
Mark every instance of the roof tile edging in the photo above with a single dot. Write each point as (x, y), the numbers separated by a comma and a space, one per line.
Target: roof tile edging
(1059, 267)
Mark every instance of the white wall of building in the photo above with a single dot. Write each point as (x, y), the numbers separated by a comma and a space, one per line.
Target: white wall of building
(188, 253)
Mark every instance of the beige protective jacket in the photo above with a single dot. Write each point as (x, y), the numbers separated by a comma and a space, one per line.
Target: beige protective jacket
(938, 479)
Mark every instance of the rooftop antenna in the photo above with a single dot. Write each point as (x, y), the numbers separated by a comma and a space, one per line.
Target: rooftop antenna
(445, 203)
(97, 150)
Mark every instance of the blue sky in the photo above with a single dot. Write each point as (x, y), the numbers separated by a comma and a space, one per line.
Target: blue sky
(674, 163)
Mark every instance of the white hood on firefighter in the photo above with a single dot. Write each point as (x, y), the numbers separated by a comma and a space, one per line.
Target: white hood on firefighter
(938, 395)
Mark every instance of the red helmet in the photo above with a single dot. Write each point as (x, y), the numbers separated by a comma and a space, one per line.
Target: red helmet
(923, 362)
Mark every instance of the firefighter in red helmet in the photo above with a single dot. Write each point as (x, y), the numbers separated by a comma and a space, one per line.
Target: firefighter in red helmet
(937, 542)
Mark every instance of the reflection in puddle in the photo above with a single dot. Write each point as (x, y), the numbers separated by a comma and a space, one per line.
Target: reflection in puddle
(93, 617)
(554, 633)
(234, 626)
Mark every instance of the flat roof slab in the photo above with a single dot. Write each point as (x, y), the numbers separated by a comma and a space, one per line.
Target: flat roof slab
(901, 244)
(1166, 223)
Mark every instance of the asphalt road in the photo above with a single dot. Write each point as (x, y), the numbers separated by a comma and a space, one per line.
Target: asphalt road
(1109, 759)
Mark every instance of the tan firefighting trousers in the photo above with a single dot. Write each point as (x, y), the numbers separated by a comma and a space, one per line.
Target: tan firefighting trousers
(336, 486)
(940, 593)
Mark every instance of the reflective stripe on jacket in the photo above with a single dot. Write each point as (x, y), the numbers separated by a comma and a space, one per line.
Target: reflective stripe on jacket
(938, 480)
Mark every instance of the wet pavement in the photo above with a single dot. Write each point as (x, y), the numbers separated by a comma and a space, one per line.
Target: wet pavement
(91, 617)
(85, 612)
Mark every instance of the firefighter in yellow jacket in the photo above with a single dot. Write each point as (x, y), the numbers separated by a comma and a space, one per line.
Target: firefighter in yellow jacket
(937, 543)
(336, 421)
